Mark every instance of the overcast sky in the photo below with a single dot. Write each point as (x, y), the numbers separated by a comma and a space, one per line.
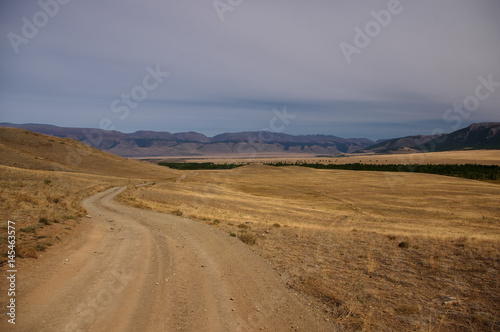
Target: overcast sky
(231, 62)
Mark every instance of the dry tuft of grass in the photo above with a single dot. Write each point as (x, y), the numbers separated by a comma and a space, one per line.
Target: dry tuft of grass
(248, 238)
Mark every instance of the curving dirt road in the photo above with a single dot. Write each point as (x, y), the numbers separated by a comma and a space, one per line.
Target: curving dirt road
(137, 270)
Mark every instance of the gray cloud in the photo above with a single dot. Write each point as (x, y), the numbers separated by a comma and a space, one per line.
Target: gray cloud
(228, 75)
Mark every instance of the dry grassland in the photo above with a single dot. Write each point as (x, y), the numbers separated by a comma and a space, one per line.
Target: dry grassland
(378, 251)
(45, 205)
(43, 180)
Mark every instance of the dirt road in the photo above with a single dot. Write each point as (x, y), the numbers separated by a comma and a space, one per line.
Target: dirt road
(136, 270)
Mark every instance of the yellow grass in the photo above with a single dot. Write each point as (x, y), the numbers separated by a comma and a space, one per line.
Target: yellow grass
(43, 180)
(342, 233)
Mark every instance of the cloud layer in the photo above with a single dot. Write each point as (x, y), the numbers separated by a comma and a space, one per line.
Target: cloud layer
(407, 69)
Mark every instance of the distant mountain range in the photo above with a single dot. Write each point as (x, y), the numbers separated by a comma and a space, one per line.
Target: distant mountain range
(165, 144)
(484, 135)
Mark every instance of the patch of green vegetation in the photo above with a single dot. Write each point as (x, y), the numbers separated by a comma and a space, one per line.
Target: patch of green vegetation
(199, 166)
(468, 171)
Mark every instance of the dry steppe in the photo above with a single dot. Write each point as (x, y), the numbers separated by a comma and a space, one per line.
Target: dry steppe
(373, 251)
(43, 180)
(377, 251)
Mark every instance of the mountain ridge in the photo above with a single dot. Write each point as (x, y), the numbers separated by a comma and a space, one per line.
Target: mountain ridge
(483, 135)
(154, 143)
(144, 143)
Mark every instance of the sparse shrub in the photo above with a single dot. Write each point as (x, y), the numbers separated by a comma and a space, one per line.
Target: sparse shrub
(232, 234)
(216, 222)
(248, 238)
(55, 221)
(176, 212)
(56, 200)
(276, 225)
(43, 221)
(391, 237)
(243, 226)
(42, 246)
(47, 181)
(28, 229)
(404, 244)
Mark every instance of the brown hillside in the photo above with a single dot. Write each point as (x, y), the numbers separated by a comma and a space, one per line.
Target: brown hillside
(43, 180)
(29, 150)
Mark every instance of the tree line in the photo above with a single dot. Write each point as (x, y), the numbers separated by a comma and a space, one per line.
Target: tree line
(469, 171)
(199, 166)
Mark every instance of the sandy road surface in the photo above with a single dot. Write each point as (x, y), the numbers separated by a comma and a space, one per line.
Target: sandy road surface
(138, 270)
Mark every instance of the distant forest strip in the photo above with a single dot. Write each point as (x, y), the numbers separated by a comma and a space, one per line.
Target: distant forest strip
(199, 166)
(468, 171)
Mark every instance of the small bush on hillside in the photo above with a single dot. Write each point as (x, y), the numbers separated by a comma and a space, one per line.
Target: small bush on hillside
(404, 244)
(176, 212)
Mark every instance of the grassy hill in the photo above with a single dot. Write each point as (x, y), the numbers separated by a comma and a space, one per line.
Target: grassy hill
(43, 180)
(24, 149)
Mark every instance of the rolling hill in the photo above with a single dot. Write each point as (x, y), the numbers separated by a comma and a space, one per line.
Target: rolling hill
(24, 149)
